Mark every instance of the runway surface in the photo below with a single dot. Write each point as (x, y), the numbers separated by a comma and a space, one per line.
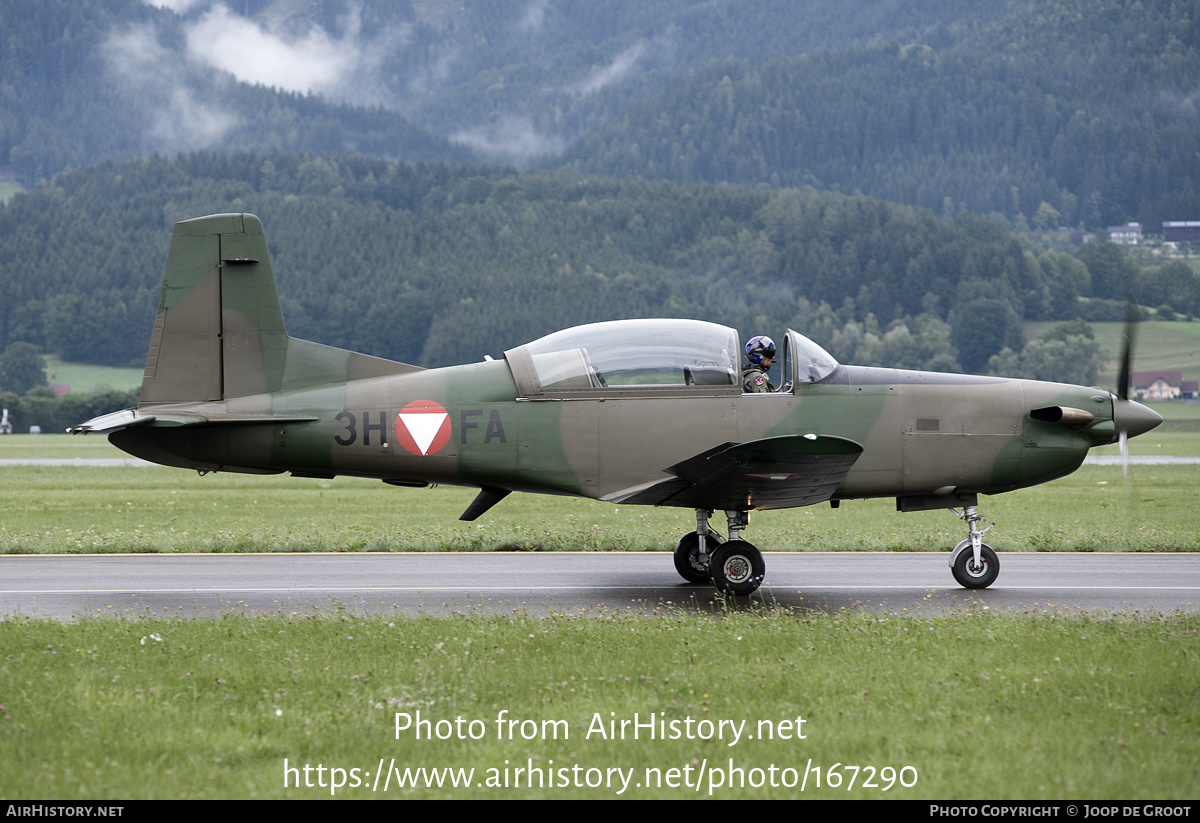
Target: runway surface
(63, 586)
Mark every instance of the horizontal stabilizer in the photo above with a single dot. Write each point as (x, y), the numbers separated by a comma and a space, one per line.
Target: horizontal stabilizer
(773, 473)
(112, 422)
(132, 417)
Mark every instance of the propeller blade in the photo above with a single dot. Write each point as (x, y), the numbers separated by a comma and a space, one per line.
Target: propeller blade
(1132, 315)
(1124, 440)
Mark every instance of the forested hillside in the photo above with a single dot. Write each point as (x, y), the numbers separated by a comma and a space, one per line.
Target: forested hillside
(1055, 112)
(87, 80)
(722, 128)
(1088, 106)
(437, 264)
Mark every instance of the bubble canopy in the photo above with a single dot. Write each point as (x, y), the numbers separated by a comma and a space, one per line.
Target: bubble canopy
(647, 354)
(666, 352)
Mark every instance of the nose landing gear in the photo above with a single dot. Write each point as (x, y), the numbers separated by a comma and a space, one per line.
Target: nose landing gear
(973, 562)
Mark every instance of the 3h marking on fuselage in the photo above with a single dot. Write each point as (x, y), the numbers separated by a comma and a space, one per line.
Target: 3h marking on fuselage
(349, 436)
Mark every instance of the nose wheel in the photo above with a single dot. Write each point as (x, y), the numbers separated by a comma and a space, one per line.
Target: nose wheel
(976, 575)
(973, 563)
(733, 566)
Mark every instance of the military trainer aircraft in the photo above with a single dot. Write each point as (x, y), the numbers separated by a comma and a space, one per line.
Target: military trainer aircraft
(644, 412)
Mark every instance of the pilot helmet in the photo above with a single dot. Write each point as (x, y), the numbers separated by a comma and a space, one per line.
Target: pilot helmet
(759, 349)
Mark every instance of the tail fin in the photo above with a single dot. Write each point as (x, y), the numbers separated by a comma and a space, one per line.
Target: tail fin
(219, 331)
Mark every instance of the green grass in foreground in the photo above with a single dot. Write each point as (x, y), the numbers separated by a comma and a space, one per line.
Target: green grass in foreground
(72, 509)
(976, 704)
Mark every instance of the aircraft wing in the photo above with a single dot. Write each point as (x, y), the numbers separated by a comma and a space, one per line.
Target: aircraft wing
(773, 473)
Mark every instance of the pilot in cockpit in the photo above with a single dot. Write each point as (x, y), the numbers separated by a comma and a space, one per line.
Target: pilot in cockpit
(760, 351)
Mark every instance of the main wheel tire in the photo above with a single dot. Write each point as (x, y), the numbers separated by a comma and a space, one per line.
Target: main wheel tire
(972, 577)
(687, 556)
(737, 568)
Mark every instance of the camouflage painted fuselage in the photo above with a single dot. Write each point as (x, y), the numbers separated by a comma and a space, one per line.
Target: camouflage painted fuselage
(922, 434)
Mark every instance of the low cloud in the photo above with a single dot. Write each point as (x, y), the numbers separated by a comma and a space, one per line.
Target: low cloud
(534, 17)
(435, 73)
(151, 78)
(512, 139)
(313, 63)
(614, 72)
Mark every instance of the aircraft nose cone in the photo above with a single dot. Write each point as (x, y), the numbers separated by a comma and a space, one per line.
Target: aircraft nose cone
(1133, 418)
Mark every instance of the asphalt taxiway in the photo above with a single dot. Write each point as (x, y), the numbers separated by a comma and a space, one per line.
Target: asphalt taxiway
(66, 586)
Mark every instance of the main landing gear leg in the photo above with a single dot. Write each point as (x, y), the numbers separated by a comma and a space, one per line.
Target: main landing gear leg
(973, 562)
(693, 552)
(736, 566)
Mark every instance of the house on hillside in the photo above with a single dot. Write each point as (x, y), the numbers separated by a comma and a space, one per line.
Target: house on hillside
(1163, 385)
(1129, 235)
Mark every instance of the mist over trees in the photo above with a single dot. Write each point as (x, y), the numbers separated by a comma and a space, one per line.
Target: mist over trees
(89, 80)
(1063, 112)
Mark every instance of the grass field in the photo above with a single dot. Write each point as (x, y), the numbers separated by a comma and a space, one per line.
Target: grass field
(104, 510)
(1071, 706)
(85, 379)
(84, 509)
(1173, 346)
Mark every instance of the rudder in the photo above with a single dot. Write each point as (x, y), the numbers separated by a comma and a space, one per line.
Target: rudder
(219, 325)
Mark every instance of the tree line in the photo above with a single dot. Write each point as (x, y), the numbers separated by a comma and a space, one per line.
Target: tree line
(436, 264)
(1011, 120)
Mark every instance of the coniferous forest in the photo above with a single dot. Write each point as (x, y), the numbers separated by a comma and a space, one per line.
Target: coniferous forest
(434, 264)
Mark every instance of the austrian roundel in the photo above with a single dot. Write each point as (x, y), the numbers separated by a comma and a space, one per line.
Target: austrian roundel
(423, 427)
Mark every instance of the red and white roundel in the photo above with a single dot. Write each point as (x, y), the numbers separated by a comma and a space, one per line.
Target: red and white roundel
(423, 427)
